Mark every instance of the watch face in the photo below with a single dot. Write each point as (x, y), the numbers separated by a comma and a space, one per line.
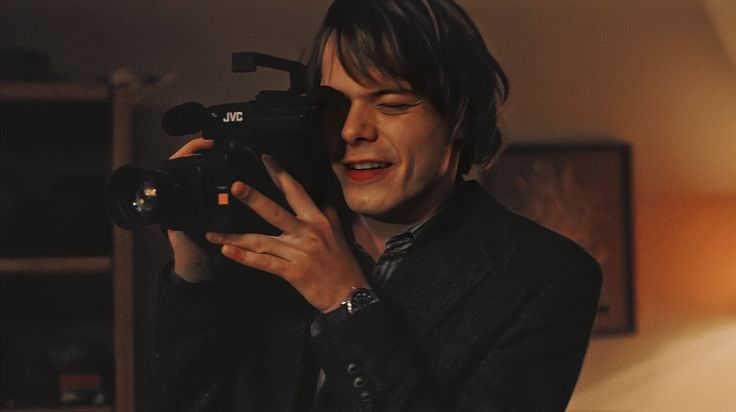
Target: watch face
(360, 299)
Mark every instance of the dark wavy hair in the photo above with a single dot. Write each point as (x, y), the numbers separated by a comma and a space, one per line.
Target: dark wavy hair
(435, 47)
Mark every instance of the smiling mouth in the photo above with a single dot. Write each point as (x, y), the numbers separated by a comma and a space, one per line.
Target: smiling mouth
(364, 172)
(367, 166)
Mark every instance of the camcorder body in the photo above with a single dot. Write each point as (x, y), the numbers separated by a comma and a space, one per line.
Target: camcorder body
(192, 193)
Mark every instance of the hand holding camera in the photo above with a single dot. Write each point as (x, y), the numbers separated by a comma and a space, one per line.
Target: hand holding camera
(310, 253)
(191, 262)
(190, 193)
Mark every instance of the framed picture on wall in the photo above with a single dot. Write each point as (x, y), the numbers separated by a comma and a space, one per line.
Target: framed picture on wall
(582, 191)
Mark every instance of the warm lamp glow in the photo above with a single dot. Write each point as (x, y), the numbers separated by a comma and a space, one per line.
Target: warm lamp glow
(683, 356)
(685, 251)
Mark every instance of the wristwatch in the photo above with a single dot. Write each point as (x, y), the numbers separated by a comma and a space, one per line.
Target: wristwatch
(358, 299)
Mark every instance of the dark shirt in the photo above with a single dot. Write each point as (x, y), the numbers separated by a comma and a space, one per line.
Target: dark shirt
(378, 273)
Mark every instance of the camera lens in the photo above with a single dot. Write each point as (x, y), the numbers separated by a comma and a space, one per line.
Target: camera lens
(146, 198)
(133, 197)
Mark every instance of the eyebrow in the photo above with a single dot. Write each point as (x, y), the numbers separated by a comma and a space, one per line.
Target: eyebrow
(395, 90)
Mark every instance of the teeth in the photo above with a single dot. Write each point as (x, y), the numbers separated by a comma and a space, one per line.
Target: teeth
(367, 165)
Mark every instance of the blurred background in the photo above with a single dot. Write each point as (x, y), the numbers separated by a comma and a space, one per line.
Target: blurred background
(658, 74)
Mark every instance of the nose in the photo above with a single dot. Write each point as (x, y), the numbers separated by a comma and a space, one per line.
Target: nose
(359, 125)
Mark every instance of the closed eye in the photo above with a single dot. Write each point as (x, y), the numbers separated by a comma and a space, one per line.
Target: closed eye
(397, 108)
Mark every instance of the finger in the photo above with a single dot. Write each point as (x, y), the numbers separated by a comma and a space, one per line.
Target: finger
(266, 208)
(193, 146)
(255, 242)
(296, 196)
(264, 262)
(330, 213)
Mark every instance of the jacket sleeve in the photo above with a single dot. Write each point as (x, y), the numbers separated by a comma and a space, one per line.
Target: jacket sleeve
(195, 359)
(532, 365)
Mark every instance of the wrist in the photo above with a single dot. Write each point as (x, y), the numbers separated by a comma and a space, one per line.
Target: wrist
(332, 308)
(358, 299)
(191, 262)
(192, 272)
(343, 293)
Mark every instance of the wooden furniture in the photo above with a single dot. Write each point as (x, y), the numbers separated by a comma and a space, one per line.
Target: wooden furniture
(66, 275)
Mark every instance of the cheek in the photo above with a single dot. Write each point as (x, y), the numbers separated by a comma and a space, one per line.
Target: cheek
(436, 163)
(433, 153)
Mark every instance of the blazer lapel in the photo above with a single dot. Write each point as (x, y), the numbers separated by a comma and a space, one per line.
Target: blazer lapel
(452, 254)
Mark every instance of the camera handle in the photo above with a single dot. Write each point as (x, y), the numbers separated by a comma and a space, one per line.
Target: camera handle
(247, 62)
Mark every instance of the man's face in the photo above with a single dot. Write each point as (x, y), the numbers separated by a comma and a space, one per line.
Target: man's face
(392, 155)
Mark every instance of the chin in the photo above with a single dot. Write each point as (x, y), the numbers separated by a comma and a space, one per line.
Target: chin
(367, 208)
(387, 212)
(367, 205)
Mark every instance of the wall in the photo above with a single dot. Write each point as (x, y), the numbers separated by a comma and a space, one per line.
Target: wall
(682, 358)
(654, 73)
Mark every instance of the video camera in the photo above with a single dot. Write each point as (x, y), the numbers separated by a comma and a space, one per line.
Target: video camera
(192, 193)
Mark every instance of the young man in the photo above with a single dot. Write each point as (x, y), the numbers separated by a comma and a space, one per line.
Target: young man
(432, 296)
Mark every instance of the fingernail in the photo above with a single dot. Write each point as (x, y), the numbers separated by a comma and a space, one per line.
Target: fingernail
(270, 163)
(229, 251)
(212, 236)
(239, 188)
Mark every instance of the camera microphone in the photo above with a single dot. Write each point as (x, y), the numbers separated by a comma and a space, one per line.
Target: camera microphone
(186, 118)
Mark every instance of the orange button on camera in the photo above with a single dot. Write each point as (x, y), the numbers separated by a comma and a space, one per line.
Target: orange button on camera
(222, 199)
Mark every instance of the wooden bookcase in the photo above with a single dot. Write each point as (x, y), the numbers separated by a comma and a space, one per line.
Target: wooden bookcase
(66, 274)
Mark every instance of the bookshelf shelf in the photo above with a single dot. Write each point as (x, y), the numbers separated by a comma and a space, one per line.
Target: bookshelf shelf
(56, 265)
(101, 408)
(66, 276)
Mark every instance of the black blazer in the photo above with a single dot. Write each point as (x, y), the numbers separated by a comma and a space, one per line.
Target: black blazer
(488, 311)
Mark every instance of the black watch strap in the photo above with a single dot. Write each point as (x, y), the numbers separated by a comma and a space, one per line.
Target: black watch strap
(359, 299)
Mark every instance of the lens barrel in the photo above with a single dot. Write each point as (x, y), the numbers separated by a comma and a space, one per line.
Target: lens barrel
(133, 197)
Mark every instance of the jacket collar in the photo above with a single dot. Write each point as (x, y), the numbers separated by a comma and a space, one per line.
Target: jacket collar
(456, 249)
